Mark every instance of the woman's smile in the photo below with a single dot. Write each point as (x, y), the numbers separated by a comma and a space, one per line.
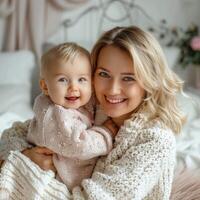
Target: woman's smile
(114, 100)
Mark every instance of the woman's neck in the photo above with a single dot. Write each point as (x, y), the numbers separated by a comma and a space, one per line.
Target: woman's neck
(119, 121)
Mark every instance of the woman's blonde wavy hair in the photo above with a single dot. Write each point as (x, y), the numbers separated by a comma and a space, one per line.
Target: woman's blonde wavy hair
(151, 71)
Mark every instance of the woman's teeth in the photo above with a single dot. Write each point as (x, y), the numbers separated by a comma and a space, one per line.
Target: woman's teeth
(111, 100)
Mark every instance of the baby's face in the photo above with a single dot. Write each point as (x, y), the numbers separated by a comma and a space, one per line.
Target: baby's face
(69, 84)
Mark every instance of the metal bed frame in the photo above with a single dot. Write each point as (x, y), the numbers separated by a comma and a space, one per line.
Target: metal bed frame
(130, 7)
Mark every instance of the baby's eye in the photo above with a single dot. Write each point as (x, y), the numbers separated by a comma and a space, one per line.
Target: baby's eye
(128, 78)
(63, 80)
(104, 74)
(82, 79)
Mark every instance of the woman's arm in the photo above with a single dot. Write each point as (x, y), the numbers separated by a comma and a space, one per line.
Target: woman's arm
(41, 156)
(133, 175)
(14, 138)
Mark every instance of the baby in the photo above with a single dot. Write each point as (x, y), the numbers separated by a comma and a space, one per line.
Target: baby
(63, 122)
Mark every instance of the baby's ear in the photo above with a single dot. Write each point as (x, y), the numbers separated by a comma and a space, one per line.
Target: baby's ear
(43, 87)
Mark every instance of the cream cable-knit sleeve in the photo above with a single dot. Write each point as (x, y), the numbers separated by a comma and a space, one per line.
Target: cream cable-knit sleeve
(14, 138)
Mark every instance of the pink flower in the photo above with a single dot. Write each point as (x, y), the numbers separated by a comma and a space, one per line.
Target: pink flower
(195, 43)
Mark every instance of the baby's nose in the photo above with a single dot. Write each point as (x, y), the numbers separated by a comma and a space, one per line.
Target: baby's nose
(73, 86)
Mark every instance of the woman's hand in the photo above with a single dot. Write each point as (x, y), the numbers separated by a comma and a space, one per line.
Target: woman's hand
(109, 124)
(41, 156)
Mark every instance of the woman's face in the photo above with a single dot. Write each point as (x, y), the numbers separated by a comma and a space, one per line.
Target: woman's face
(118, 92)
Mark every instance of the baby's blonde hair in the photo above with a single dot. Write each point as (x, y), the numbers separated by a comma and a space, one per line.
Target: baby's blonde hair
(62, 53)
(151, 71)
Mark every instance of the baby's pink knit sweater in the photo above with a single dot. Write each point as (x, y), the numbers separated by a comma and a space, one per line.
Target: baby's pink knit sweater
(71, 135)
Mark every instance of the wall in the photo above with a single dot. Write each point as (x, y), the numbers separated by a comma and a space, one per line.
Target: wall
(2, 28)
(176, 12)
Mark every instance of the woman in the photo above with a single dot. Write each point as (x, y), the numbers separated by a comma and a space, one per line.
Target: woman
(137, 90)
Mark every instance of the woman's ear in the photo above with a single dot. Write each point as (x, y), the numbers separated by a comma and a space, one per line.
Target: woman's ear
(43, 87)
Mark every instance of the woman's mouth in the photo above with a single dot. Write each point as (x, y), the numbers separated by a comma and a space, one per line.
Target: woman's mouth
(114, 100)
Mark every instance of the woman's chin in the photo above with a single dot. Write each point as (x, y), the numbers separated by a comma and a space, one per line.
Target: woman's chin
(118, 116)
(115, 115)
(112, 114)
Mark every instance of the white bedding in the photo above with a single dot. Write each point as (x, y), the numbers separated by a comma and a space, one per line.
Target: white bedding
(188, 142)
(188, 146)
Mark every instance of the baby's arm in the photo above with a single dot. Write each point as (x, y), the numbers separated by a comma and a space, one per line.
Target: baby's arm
(89, 142)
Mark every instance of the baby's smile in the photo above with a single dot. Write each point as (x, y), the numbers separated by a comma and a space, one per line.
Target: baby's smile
(72, 98)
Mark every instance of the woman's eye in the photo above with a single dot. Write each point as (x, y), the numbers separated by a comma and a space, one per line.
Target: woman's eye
(128, 78)
(82, 79)
(104, 74)
(63, 80)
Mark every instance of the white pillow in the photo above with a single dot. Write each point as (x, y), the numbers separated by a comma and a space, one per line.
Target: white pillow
(16, 67)
(15, 82)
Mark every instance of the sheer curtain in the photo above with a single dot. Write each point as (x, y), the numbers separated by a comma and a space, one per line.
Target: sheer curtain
(28, 23)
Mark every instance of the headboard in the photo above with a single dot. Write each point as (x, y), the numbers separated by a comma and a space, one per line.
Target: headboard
(85, 24)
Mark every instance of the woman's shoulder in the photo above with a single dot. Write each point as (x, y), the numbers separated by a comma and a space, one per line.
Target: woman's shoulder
(143, 129)
(159, 134)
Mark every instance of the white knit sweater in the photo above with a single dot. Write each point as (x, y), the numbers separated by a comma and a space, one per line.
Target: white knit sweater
(140, 166)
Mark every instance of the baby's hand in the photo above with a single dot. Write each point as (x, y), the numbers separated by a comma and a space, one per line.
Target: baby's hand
(109, 124)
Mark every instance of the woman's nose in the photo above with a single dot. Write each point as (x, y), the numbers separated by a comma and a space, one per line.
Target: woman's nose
(114, 87)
